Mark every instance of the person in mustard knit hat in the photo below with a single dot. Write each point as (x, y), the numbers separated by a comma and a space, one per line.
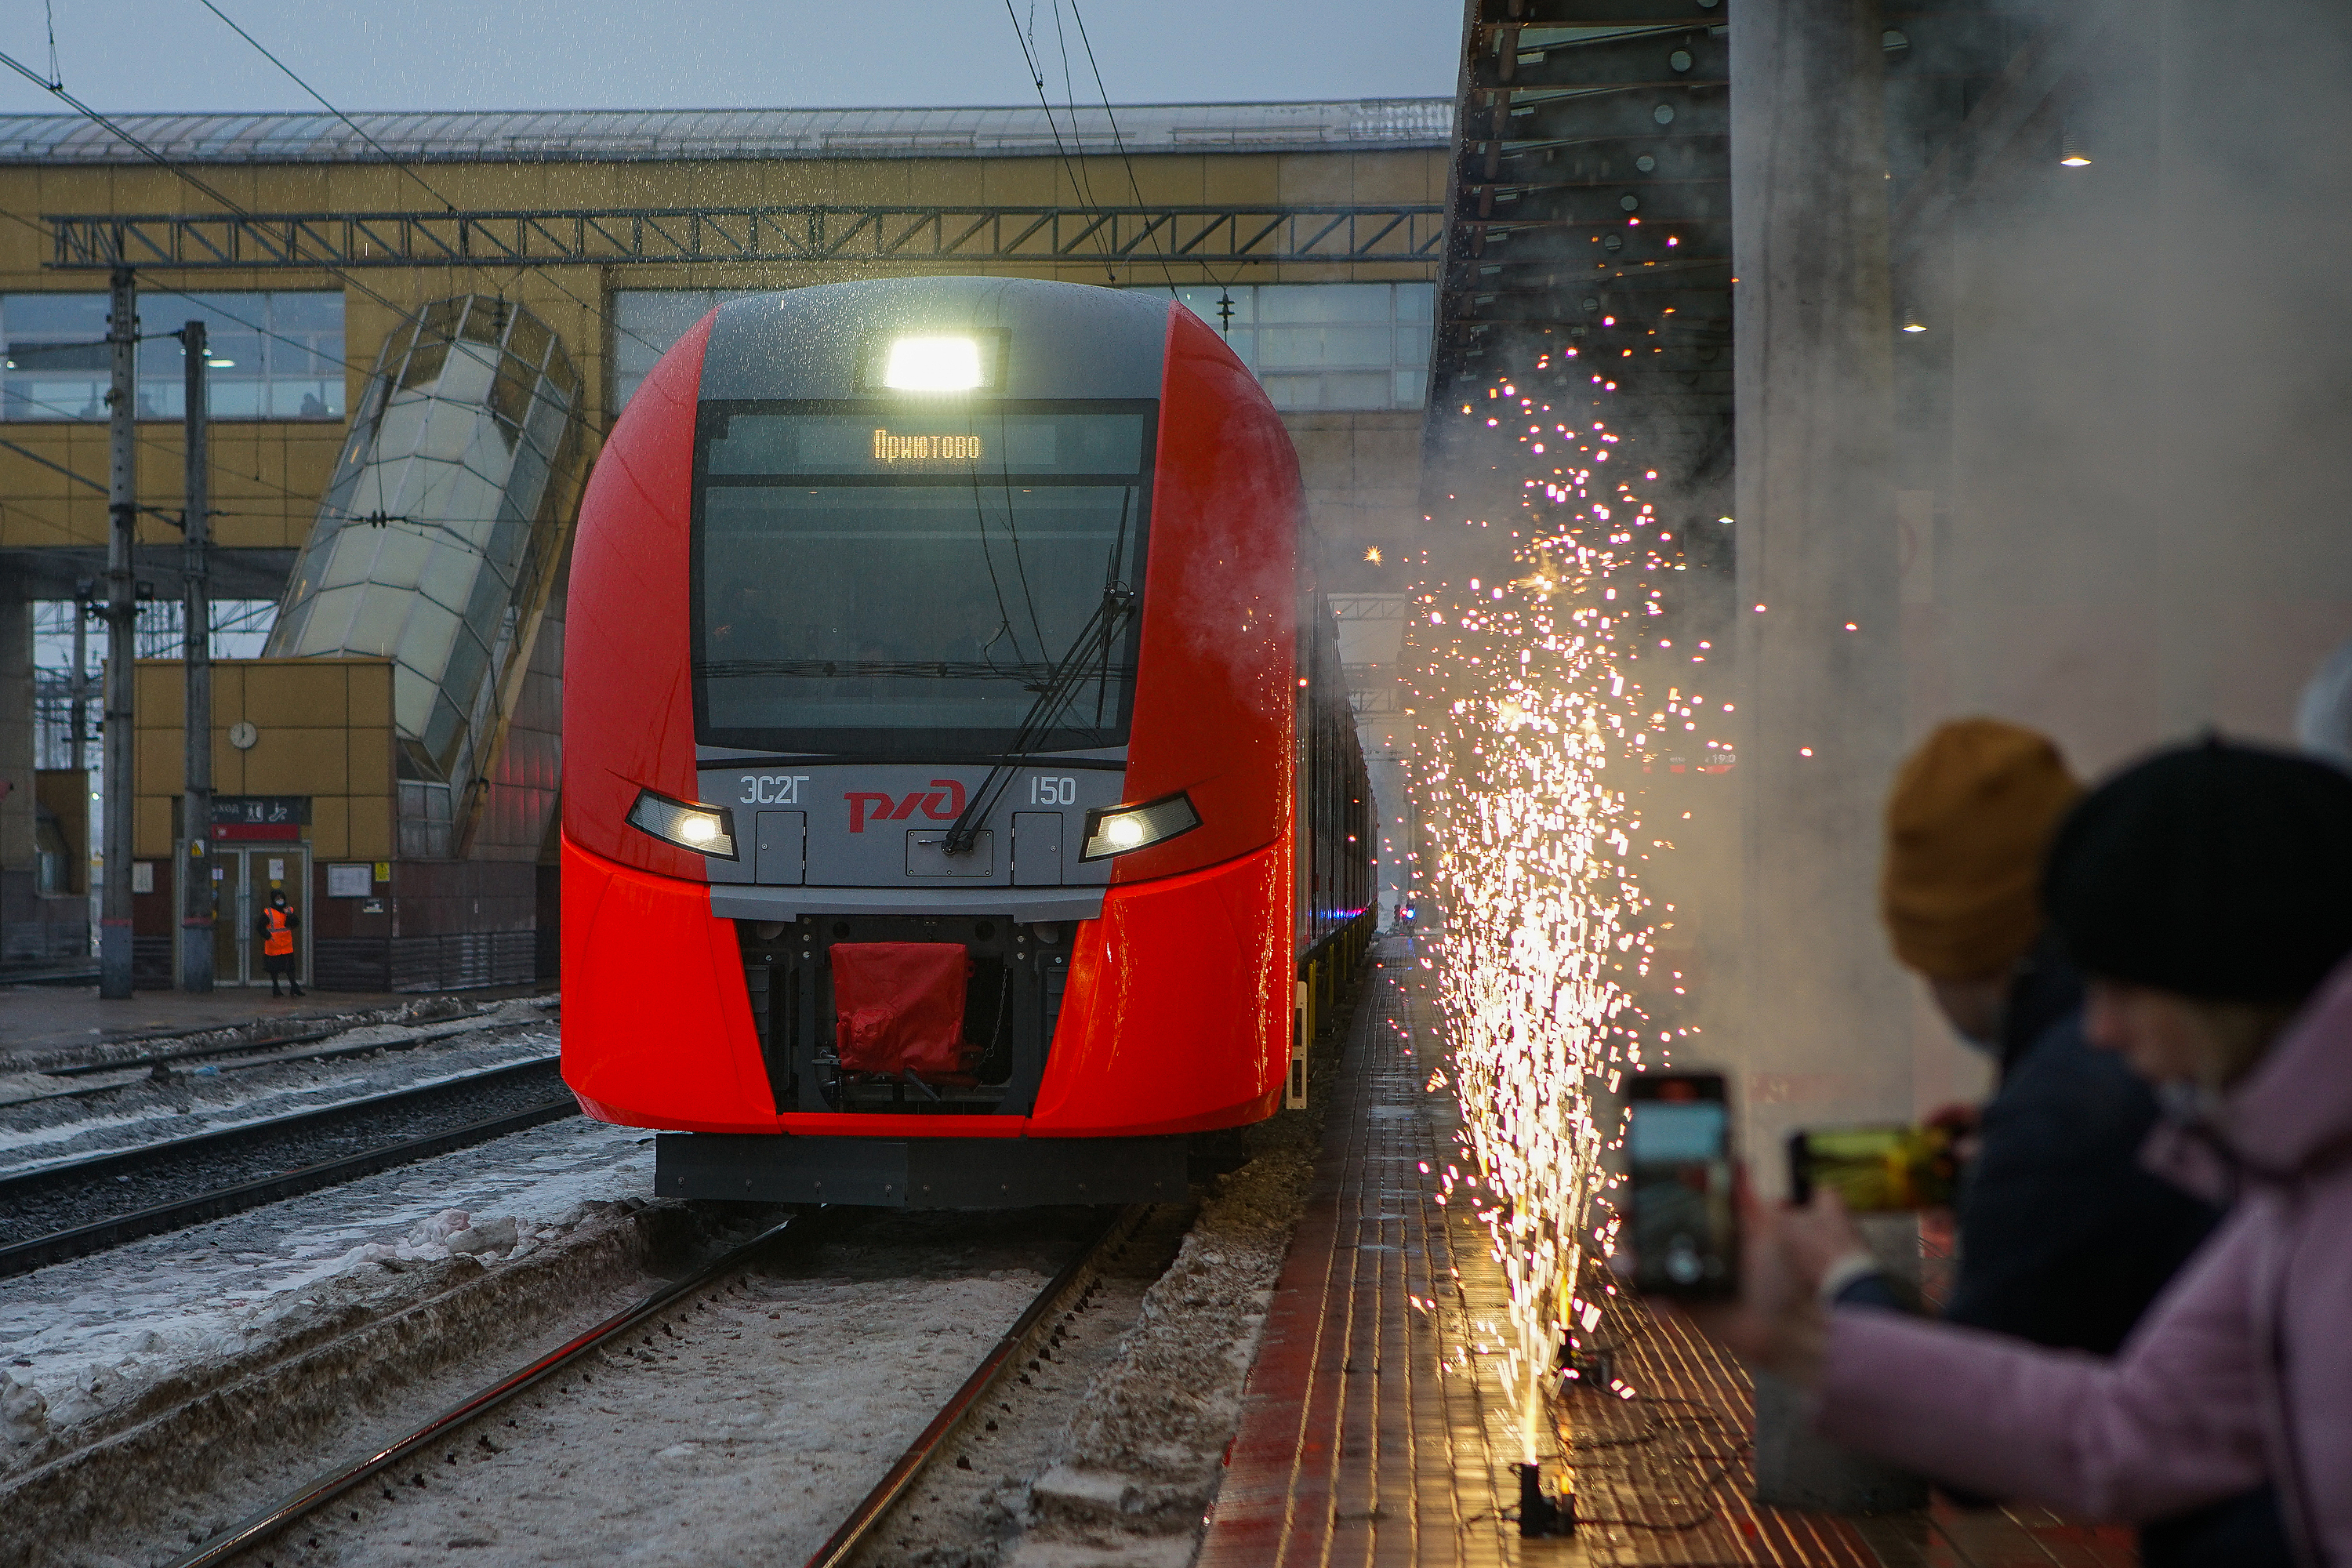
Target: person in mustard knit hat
(2064, 1238)
(1970, 816)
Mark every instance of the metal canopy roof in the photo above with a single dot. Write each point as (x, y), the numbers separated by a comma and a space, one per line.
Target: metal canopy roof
(1591, 209)
(1589, 200)
(658, 135)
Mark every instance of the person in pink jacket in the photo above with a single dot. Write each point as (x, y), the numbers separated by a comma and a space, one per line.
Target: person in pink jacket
(2207, 895)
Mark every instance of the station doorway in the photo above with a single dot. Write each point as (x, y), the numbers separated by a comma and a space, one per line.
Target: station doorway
(242, 877)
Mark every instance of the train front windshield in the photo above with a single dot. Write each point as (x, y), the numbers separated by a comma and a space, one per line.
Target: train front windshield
(885, 582)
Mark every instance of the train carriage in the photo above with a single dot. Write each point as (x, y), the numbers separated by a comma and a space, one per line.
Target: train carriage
(959, 776)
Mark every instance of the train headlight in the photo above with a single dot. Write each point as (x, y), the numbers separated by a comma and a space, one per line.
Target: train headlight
(704, 829)
(1119, 829)
(932, 364)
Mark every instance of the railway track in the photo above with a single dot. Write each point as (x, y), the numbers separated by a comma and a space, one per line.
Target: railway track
(66, 1210)
(1017, 1342)
(247, 1056)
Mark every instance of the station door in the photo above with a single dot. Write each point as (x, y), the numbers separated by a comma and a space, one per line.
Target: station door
(243, 876)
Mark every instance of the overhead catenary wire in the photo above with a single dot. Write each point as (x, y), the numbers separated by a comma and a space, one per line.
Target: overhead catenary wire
(1070, 101)
(1119, 142)
(78, 478)
(571, 415)
(422, 184)
(70, 416)
(1038, 80)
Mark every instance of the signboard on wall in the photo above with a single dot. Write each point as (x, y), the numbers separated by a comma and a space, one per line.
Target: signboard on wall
(249, 818)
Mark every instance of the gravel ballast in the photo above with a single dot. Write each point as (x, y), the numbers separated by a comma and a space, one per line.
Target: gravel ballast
(83, 1341)
(745, 1424)
(741, 1428)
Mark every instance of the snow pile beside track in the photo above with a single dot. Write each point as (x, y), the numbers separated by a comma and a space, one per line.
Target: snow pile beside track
(1146, 1450)
(192, 1452)
(94, 1341)
(1147, 1454)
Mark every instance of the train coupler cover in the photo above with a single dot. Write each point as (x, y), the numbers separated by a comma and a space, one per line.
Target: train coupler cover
(900, 1007)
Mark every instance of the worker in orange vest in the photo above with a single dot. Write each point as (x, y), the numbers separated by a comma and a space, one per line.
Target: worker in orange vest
(276, 928)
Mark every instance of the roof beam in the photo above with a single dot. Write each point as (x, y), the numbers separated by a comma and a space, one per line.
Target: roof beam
(1385, 232)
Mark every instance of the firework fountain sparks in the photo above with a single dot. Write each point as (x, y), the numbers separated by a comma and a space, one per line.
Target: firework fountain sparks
(1533, 727)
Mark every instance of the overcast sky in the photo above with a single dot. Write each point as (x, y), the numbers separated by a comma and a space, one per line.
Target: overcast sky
(133, 55)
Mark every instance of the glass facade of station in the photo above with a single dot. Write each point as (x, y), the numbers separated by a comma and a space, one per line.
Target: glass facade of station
(439, 535)
(275, 355)
(1339, 346)
(1315, 346)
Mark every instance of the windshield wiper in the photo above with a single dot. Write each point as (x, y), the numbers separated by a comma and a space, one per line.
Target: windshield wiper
(1060, 689)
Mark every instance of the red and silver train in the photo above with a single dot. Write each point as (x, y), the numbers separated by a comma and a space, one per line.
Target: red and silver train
(960, 773)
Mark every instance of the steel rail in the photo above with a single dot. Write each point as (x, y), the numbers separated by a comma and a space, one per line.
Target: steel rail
(846, 1539)
(58, 1246)
(190, 1052)
(165, 1060)
(876, 1505)
(333, 1485)
(114, 1162)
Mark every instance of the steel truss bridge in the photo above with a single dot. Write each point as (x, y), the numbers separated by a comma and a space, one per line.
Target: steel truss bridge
(864, 236)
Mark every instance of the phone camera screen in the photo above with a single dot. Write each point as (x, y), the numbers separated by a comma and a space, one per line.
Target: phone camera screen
(1678, 1155)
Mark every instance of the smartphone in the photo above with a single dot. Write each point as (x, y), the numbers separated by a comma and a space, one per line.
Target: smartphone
(1683, 1229)
(1875, 1169)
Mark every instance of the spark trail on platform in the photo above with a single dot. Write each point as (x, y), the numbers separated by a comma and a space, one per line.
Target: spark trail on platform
(1533, 715)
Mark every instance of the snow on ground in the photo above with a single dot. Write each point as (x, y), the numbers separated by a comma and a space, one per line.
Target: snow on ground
(77, 1332)
(35, 1134)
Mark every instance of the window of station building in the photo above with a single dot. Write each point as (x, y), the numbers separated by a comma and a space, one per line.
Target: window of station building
(1340, 346)
(271, 355)
(646, 322)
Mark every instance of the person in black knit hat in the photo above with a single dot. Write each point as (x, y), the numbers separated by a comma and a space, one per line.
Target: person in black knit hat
(2152, 881)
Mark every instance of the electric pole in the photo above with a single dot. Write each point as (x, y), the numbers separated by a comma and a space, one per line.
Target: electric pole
(196, 802)
(80, 690)
(121, 614)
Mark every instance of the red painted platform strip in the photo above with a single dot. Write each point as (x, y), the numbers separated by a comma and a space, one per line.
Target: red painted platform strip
(1375, 1431)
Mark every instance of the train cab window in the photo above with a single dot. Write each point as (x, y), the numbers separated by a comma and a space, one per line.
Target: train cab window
(896, 581)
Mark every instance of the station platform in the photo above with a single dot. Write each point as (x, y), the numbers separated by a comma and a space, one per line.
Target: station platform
(1377, 1428)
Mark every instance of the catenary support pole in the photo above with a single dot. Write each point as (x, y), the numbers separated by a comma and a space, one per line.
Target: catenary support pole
(121, 614)
(194, 878)
(80, 690)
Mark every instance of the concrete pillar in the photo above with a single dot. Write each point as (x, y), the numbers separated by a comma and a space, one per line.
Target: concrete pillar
(1826, 1027)
(1825, 1035)
(21, 937)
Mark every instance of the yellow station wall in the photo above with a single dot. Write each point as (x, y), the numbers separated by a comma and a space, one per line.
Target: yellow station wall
(324, 729)
(268, 476)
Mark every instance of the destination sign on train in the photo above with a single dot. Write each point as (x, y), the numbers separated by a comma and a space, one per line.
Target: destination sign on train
(891, 446)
